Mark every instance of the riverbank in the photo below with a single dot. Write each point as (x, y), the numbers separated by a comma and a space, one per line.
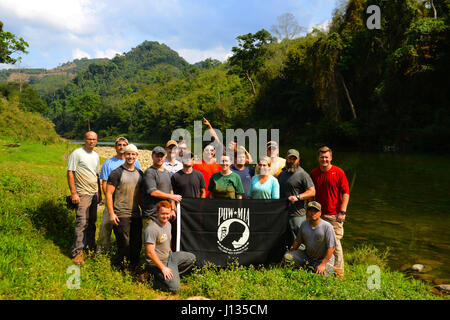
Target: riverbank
(144, 157)
(36, 238)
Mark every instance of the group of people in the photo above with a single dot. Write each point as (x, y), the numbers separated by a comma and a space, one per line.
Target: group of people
(141, 206)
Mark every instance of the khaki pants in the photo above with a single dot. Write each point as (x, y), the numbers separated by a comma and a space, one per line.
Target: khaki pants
(339, 232)
(86, 216)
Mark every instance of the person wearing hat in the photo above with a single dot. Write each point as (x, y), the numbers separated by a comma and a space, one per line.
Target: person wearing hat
(157, 187)
(123, 198)
(104, 235)
(277, 163)
(319, 239)
(297, 186)
(171, 163)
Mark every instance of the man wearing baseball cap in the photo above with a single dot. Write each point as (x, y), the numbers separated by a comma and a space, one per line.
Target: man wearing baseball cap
(319, 239)
(277, 163)
(171, 163)
(297, 186)
(157, 186)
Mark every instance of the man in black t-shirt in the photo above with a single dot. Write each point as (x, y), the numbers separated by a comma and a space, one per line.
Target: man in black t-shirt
(189, 182)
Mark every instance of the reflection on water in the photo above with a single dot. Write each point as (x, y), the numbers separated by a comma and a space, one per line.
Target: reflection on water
(397, 201)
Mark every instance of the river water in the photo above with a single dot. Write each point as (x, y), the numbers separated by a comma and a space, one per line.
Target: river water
(397, 201)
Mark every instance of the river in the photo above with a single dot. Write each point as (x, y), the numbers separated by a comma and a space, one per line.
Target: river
(398, 201)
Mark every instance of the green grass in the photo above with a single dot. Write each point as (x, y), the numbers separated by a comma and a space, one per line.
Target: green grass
(291, 283)
(36, 232)
(17, 125)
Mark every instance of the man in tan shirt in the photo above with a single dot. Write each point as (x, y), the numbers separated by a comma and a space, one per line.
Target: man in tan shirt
(83, 178)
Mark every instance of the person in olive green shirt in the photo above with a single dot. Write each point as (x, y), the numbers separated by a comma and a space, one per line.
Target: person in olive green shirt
(226, 184)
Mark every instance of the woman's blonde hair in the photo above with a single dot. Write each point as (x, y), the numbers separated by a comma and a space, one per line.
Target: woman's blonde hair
(266, 159)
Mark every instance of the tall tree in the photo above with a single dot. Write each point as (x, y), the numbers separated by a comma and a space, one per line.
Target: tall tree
(248, 57)
(287, 27)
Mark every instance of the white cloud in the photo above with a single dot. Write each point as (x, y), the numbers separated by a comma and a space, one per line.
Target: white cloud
(323, 26)
(108, 53)
(196, 55)
(77, 16)
(78, 54)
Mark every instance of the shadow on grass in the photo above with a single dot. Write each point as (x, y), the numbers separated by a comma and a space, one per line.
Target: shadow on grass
(55, 222)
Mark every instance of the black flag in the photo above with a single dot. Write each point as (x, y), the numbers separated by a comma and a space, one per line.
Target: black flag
(223, 230)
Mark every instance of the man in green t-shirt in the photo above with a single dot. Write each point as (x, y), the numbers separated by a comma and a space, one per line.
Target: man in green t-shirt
(226, 184)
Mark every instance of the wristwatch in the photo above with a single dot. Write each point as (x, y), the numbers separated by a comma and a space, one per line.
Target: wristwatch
(298, 197)
(342, 212)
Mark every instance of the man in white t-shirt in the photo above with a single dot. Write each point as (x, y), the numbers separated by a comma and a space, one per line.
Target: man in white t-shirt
(83, 178)
(171, 163)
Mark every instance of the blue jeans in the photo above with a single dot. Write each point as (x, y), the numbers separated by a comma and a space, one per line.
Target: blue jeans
(180, 262)
(301, 259)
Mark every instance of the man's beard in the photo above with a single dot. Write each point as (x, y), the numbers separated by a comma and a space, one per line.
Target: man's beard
(292, 168)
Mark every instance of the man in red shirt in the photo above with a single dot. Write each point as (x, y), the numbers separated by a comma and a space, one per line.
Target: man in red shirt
(332, 192)
(208, 165)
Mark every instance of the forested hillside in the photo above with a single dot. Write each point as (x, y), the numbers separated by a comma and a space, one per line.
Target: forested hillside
(349, 86)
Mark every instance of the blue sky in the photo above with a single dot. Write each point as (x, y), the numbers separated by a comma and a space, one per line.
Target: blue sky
(58, 31)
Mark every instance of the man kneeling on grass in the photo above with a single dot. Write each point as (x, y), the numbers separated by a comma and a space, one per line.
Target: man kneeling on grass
(319, 239)
(165, 265)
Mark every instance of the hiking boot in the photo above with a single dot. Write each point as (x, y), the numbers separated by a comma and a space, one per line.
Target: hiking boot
(79, 258)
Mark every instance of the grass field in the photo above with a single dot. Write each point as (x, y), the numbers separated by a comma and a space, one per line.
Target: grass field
(36, 232)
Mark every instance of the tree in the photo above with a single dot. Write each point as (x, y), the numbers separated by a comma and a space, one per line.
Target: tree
(85, 107)
(248, 57)
(287, 27)
(9, 45)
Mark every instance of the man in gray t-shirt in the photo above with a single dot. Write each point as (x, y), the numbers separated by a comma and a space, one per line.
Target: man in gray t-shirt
(297, 186)
(157, 187)
(123, 197)
(319, 239)
(165, 265)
